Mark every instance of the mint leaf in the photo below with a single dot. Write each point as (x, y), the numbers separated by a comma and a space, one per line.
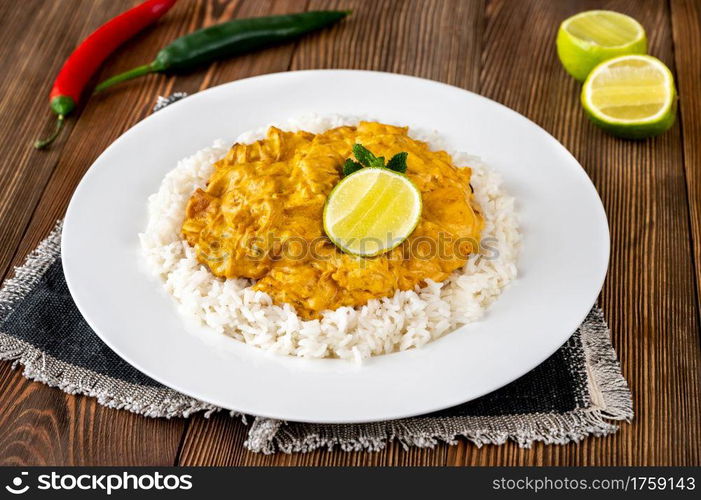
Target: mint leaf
(398, 162)
(351, 166)
(368, 159)
(363, 155)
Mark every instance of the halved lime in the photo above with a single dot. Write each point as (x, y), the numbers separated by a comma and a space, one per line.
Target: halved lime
(591, 37)
(631, 96)
(372, 211)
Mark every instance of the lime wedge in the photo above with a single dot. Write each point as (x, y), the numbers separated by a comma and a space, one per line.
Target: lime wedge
(591, 37)
(372, 211)
(631, 96)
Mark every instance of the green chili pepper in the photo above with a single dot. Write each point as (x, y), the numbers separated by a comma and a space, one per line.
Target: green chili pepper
(229, 39)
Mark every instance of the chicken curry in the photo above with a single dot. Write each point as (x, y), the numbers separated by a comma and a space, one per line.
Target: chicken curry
(260, 217)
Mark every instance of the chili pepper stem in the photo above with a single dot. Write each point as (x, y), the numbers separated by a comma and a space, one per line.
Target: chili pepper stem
(42, 143)
(128, 75)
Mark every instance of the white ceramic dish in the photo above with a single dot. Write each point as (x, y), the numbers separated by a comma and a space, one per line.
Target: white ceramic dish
(563, 260)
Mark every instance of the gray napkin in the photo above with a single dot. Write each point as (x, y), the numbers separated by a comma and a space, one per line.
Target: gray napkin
(575, 393)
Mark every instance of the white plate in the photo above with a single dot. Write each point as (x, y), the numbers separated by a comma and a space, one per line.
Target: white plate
(561, 269)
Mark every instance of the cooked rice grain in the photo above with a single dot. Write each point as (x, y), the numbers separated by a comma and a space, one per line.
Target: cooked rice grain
(406, 320)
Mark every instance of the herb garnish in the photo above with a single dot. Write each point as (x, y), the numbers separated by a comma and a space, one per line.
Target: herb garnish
(366, 158)
(398, 162)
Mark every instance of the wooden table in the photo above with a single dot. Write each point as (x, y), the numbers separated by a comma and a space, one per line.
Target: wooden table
(503, 49)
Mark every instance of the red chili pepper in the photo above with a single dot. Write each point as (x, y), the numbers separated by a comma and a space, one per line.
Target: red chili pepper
(87, 58)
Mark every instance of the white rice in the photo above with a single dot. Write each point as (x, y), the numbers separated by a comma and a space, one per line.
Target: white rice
(406, 320)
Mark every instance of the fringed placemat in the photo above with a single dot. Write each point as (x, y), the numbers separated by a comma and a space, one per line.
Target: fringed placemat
(578, 392)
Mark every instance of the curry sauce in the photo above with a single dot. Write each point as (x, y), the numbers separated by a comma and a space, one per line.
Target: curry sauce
(260, 217)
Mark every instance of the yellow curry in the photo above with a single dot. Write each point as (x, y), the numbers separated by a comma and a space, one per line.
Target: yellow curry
(260, 217)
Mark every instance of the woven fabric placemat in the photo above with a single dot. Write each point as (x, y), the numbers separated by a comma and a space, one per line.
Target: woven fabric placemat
(579, 391)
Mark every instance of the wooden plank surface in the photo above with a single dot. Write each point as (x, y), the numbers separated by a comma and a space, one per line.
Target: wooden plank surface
(686, 28)
(500, 48)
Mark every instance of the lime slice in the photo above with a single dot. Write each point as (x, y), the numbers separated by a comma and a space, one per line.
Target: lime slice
(631, 96)
(372, 211)
(591, 37)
